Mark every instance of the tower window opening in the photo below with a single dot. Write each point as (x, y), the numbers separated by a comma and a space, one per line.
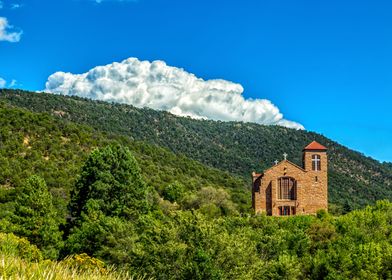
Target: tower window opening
(316, 163)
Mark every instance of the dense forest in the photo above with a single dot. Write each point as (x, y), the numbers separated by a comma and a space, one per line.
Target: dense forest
(234, 147)
(115, 219)
(92, 190)
(38, 144)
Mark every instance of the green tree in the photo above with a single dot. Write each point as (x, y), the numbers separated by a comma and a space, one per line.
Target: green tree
(174, 192)
(211, 201)
(108, 195)
(109, 238)
(111, 179)
(35, 217)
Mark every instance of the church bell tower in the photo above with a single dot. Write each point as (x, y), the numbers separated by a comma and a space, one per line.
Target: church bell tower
(315, 162)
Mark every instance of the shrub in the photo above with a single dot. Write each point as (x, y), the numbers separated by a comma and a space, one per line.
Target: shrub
(13, 245)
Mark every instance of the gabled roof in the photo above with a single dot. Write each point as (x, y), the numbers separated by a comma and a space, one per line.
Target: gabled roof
(284, 161)
(315, 146)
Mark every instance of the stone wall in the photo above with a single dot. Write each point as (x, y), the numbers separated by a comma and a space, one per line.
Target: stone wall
(312, 186)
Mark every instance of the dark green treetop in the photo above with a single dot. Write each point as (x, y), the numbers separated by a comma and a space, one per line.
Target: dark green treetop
(35, 217)
(110, 182)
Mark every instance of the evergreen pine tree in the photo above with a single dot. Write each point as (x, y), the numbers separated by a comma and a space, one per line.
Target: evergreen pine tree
(111, 181)
(35, 217)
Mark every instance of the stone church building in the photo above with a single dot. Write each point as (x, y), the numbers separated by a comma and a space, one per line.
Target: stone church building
(288, 189)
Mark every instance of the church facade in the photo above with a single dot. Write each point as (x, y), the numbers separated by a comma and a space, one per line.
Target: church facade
(287, 189)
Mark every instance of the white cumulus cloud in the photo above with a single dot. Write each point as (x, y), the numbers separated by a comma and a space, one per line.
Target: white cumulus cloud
(162, 87)
(5, 32)
(13, 83)
(2, 82)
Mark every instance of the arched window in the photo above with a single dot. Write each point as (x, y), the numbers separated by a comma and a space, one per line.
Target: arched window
(316, 163)
(287, 188)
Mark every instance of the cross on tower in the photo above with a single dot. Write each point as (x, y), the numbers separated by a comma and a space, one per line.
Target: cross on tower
(276, 162)
(285, 156)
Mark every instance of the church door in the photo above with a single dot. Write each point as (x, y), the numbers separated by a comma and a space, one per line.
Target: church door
(268, 196)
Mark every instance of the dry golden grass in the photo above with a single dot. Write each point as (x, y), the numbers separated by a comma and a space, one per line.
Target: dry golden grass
(12, 267)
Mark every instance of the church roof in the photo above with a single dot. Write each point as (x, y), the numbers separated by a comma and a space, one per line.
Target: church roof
(315, 146)
(282, 162)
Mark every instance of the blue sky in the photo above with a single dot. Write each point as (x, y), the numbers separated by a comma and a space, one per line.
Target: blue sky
(324, 64)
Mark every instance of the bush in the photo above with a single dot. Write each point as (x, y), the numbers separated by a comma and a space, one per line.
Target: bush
(173, 192)
(85, 263)
(12, 245)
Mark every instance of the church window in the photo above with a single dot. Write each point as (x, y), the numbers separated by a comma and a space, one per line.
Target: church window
(287, 188)
(316, 163)
(285, 211)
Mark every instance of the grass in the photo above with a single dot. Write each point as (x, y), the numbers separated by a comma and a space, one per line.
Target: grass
(12, 267)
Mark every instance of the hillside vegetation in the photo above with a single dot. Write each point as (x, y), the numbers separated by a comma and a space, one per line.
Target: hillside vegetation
(238, 148)
(190, 245)
(39, 144)
(82, 202)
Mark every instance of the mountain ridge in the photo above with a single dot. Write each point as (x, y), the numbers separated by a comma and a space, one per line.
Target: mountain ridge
(235, 147)
(39, 144)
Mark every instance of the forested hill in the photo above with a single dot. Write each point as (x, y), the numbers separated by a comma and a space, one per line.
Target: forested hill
(239, 148)
(54, 149)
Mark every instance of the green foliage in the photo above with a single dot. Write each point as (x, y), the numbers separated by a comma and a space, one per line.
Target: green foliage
(190, 245)
(102, 236)
(212, 202)
(111, 183)
(12, 267)
(85, 263)
(173, 192)
(15, 246)
(35, 217)
(285, 267)
(173, 218)
(238, 148)
(38, 144)
(108, 195)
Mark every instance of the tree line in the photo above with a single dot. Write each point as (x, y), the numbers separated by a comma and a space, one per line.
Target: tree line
(116, 217)
(233, 147)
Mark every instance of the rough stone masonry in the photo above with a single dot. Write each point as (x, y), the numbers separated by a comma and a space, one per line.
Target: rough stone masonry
(287, 189)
